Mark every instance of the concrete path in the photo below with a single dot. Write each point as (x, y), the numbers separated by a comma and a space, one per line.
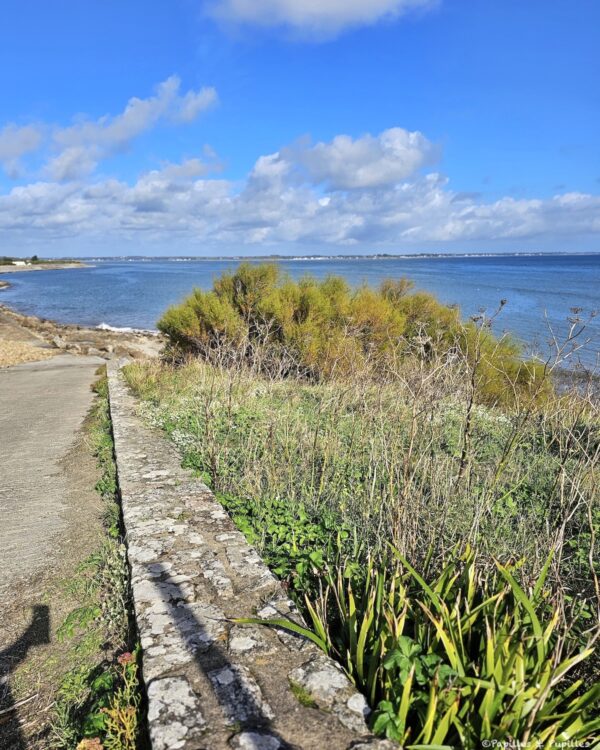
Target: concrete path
(42, 408)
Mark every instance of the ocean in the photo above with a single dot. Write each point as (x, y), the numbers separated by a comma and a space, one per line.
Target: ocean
(542, 292)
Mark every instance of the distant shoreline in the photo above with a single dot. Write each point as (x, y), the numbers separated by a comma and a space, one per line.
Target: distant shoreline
(77, 262)
(43, 267)
(319, 257)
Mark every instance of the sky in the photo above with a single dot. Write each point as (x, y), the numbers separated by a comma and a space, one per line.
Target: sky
(256, 127)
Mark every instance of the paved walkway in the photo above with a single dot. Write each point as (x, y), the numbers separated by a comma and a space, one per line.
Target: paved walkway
(42, 408)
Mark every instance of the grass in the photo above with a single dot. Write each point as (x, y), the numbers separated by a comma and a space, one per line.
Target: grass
(344, 458)
(326, 479)
(98, 703)
(302, 696)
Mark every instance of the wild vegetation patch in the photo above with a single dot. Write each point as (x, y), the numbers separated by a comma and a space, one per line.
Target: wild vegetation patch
(439, 535)
(323, 478)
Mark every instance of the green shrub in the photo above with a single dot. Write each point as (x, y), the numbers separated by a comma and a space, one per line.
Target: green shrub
(324, 329)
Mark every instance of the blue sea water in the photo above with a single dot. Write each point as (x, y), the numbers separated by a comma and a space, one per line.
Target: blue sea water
(540, 290)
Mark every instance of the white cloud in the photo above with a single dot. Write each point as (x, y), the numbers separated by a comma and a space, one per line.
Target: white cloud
(194, 103)
(322, 17)
(288, 201)
(161, 206)
(73, 162)
(185, 171)
(138, 116)
(74, 151)
(15, 142)
(365, 162)
(82, 145)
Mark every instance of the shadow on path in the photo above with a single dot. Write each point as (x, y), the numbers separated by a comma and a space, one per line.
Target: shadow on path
(238, 697)
(37, 634)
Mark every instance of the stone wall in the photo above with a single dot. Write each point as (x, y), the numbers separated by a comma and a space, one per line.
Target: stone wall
(212, 683)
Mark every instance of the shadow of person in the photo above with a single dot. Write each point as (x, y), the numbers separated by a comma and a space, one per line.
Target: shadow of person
(37, 634)
(238, 699)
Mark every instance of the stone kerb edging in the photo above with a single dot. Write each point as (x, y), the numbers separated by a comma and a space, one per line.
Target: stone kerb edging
(211, 683)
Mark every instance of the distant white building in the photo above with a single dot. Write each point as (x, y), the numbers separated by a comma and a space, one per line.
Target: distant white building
(20, 263)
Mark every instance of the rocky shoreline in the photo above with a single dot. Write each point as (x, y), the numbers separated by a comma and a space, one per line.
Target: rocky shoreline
(76, 339)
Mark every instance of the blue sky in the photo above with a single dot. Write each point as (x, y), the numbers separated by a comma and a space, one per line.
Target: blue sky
(262, 126)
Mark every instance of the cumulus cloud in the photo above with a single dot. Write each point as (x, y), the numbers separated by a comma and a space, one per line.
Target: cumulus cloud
(73, 162)
(366, 162)
(194, 103)
(186, 170)
(15, 142)
(138, 116)
(82, 145)
(338, 195)
(71, 152)
(271, 210)
(321, 17)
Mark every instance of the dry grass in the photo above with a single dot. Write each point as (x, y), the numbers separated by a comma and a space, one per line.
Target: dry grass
(18, 352)
(415, 459)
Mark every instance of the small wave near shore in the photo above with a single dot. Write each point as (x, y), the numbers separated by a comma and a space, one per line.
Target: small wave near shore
(126, 329)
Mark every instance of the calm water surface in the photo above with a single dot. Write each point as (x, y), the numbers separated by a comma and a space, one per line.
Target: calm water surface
(133, 293)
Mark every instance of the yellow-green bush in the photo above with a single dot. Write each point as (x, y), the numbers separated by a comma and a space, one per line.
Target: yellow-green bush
(323, 329)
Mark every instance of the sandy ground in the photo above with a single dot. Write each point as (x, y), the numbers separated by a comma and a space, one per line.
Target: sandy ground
(17, 352)
(18, 344)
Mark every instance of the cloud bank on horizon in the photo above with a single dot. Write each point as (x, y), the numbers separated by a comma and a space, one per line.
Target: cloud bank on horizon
(352, 192)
